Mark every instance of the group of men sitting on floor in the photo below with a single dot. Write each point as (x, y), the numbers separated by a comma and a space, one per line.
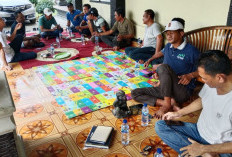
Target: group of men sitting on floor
(175, 66)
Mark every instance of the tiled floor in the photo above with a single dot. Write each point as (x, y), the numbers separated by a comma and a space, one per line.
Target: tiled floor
(46, 130)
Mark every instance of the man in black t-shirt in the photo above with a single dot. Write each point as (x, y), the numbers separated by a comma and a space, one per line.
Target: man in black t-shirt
(28, 42)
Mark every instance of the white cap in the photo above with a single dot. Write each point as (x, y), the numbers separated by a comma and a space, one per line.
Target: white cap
(47, 11)
(173, 26)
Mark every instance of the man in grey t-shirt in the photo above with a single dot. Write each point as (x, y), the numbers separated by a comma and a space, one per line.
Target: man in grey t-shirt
(152, 42)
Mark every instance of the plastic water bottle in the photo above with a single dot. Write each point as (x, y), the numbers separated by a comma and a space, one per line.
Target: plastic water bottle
(82, 39)
(70, 32)
(60, 36)
(58, 42)
(158, 153)
(137, 68)
(96, 41)
(139, 42)
(125, 132)
(97, 44)
(145, 115)
(52, 49)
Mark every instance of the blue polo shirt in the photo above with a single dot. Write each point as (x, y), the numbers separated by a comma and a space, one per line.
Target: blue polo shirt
(182, 60)
(70, 17)
(85, 18)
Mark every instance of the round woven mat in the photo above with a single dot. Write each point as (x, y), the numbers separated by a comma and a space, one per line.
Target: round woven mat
(72, 51)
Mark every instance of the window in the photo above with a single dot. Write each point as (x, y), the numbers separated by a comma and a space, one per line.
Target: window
(101, 1)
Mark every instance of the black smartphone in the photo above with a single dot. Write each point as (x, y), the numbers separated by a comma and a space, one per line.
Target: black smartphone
(136, 109)
(174, 123)
(149, 74)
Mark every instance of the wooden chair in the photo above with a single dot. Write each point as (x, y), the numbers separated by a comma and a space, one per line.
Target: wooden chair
(211, 38)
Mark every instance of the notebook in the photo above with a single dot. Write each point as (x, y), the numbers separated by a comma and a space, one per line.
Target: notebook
(101, 134)
(97, 144)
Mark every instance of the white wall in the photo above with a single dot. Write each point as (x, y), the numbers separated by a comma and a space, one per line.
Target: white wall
(103, 9)
(196, 13)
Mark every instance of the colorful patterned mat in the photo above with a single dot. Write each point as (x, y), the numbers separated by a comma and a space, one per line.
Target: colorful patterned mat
(88, 84)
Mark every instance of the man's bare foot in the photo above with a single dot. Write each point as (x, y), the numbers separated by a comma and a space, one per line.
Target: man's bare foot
(115, 48)
(156, 83)
(141, 61)
(155, 66)
(175, 105)
(159, 114)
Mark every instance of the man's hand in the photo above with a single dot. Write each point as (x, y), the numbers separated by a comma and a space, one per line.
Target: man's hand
(81, 14)
(155, 66)
(7, 67)
(195, 149)
(119, 38)
(75, 17)
(185, 79)
(18, 26)
(171, 115)
(96, 34)
(146, 64)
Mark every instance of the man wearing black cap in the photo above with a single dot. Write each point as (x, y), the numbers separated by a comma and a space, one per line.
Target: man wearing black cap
(125, 29)
(99, 24)
(74, 17)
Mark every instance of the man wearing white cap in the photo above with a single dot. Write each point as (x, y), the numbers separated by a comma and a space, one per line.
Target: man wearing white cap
(176, 74)
(45, 23)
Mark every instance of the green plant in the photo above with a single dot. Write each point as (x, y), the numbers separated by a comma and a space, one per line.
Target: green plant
(34, 2)
(44, 4)
(69, 1)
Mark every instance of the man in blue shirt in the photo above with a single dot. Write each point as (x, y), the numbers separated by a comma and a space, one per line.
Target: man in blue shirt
(74, 17)
(84, 28)
(176, 74)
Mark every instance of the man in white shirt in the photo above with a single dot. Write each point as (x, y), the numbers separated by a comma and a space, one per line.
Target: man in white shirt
(11, 52)
(212, 134)
(152, 42)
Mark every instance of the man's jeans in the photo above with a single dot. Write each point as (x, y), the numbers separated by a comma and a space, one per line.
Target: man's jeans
(177, 136)
(143, 53)
(51, 34)
(19, 56)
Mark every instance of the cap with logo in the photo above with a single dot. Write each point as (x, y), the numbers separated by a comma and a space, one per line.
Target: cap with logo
(173, 26)
(47, 11)
(92, 11)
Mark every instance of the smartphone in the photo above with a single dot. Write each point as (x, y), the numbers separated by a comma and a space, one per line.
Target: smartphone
(174, 123)
(149, 74)
(136, 109)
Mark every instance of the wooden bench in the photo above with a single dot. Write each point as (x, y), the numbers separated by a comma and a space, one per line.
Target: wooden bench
(211, 38)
